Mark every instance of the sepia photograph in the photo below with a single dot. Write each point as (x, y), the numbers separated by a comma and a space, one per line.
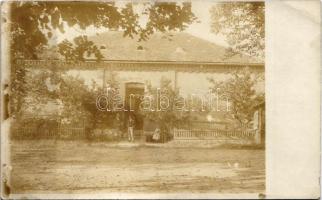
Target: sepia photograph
(133, 97)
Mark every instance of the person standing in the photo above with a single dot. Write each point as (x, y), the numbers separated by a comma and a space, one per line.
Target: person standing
(130, 129)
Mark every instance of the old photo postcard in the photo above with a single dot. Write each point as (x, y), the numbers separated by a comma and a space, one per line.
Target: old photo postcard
(160, 99)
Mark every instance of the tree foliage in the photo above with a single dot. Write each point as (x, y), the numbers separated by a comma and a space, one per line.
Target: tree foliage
(77, 100)
(34, 22)
(243, 24)
(241, 93)
(165, 111)
(79, 49)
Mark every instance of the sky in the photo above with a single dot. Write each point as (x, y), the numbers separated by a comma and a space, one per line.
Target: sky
(201, 30)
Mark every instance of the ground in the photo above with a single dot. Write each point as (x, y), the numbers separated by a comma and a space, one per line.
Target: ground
(50, 166)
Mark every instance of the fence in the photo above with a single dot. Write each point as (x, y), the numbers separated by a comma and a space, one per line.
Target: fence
(217, 136)
(52, 132)
(72, 132)
(214, 125)
(181, 134)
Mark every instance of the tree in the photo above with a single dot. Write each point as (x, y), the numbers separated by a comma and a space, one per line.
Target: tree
(240, 91)
(164, 106)
(77, 99)
(43, 87)
(76, 51)
(243, 24)
(32, 23)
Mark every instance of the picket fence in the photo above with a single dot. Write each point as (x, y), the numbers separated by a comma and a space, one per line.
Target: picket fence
(214, 134)
(57, 132)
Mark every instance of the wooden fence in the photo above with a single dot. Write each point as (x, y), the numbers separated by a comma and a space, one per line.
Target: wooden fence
(215, 134)
(53, 132)
(72, 132)
(212, 125)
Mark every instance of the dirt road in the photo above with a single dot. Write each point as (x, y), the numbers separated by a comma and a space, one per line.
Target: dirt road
(80, 167)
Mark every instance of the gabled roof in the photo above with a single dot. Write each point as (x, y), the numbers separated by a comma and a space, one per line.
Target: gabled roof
(179, 46)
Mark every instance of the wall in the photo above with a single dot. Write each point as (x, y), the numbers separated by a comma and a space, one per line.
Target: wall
(187, 82)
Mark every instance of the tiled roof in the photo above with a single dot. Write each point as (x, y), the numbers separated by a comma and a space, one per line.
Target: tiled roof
(179, 46)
